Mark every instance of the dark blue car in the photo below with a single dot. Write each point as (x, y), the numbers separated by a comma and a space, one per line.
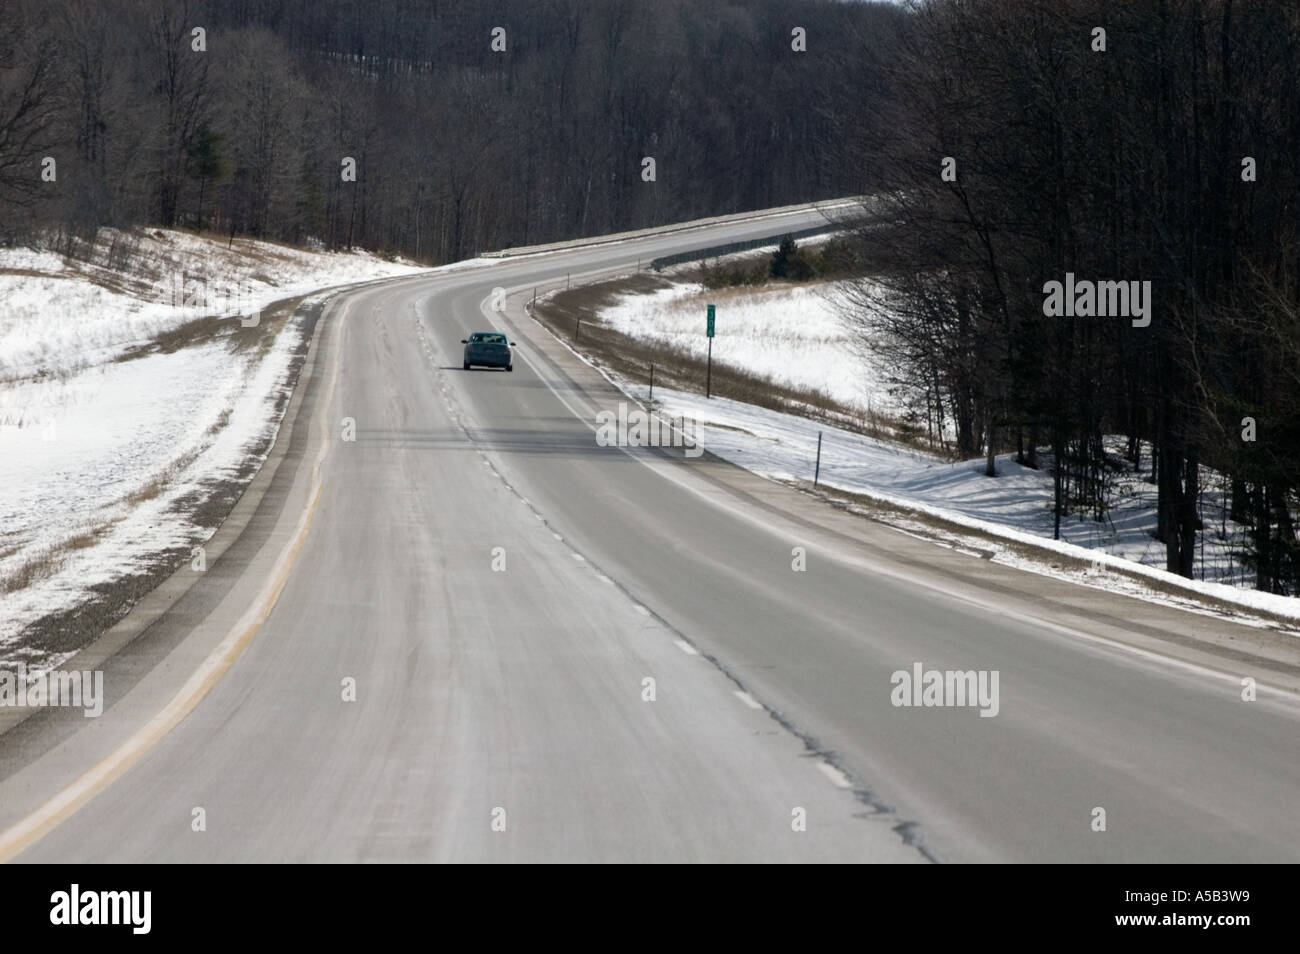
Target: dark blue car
(488, 349)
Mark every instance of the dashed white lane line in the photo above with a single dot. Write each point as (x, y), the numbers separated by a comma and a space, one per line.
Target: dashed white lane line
(686, 647)
(640, 609)
(838, 778)
(908, 533)
(580, 558)
(747, 699)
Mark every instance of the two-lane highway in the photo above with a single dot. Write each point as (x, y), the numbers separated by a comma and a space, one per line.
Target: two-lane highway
(488, 638)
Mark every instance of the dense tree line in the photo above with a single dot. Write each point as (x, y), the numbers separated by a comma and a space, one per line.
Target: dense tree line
(1155, 141)
(459, 146)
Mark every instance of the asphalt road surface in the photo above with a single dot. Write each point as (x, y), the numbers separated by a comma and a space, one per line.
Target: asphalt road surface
(559, 651)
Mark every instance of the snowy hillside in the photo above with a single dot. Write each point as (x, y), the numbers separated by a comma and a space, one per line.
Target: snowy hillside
(131, 393)
(792, 335)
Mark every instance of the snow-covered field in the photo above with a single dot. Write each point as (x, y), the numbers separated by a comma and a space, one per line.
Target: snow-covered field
(793, 335)
(103, 456)
(790, 334)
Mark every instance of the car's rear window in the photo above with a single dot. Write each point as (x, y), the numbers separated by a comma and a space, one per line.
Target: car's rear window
(488, 339)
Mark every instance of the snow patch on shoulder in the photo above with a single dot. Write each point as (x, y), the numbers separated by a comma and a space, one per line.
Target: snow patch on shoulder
(1015, 506)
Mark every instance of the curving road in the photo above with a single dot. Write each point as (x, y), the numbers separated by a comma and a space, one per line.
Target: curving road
(495, 589)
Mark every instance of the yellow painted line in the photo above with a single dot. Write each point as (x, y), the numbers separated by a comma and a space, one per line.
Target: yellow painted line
(21, 835)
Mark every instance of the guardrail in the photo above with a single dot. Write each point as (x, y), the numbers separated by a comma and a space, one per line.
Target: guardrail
(730, 248)
(830, 205)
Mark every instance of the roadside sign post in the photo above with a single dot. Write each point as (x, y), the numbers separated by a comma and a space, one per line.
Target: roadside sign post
(708, 373)
(817, 471)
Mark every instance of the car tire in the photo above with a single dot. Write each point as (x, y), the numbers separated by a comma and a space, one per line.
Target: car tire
(466, 366)
(510, 367)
